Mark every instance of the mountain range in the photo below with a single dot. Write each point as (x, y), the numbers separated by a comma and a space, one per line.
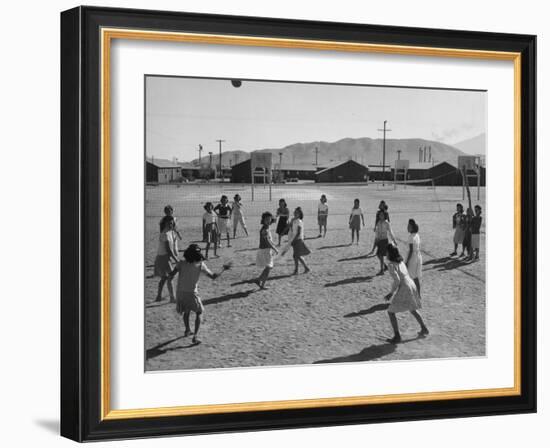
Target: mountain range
(475, 145)
(365, 150)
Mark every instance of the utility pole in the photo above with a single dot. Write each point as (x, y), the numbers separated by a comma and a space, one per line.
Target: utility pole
(398, 154)
(221, 171)
(200, 153)
(316, 156)
(430, 152)
(210, 154)
(420, 154)
(384, 130)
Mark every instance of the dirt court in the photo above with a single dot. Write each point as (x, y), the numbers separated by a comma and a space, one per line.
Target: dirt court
(335, 313)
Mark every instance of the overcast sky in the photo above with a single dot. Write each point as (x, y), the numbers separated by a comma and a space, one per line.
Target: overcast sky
(182, 113)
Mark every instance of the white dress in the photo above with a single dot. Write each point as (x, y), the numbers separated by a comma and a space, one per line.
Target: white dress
(415, 263)
(405, 295)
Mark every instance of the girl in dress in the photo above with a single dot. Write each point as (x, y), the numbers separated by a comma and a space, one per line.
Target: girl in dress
(476, 226)
(414, 257)
(223, 210)
(296, 240)
(188, 300)
(166, 255)
(210, 226)
(403, 296)
(238, 215)
(322, 216)
(382, 234)
(169, 211)
(355, 219)
(282, 225)
(467, 243)
(384, 207)
(264, 256)
(458, 226)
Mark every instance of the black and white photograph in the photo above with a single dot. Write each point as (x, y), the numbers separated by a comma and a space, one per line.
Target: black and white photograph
(291, 223)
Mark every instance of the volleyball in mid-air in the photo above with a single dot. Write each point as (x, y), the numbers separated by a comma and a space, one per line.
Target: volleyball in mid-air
(236, 82)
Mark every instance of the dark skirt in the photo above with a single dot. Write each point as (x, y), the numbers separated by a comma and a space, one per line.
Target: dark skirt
(382, 247)
(188, 301)
(163, 265)
(467, 242)
(300, 249)
(355, 223)
(211, 233)
(282, 225)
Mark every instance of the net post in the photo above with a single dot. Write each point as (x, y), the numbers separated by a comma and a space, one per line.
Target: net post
(478, 177)
(270, 183)
(252, 181)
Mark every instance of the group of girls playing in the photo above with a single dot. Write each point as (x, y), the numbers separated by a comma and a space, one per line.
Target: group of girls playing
(406, 274)
(217, 221)
(267, 249)
(467, 231)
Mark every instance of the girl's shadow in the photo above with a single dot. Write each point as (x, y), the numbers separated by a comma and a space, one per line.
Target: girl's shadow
(348, 281)
(159, 349)
(367, 354)
(372, 309)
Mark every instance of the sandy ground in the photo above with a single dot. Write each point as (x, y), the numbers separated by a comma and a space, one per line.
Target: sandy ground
(336, 313)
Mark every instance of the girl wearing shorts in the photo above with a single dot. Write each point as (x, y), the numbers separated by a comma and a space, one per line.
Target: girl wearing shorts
(210, 226)
(322, 216)
(238, 215)
(355, 219)
(223, 210)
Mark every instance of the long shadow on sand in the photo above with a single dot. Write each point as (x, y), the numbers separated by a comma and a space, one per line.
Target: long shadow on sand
(447, 263)
(156, 304)
(252, 281)
(360, 257)
(227, 297)
(441, 260)
(333, 247)
(247, 249)
(370, 353)
(158, 350)
(349, 281)
(371, 310)
(367, 354)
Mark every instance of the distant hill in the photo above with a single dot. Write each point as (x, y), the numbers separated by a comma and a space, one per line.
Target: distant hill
(475, 145)
(234, 156)
(365, 150)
